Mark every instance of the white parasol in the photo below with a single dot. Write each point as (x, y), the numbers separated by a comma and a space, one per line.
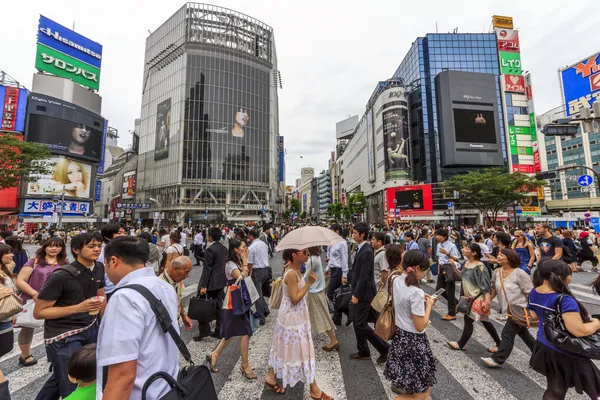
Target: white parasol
(309, 236)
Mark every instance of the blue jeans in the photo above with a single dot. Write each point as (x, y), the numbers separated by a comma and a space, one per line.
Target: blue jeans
(59, 353)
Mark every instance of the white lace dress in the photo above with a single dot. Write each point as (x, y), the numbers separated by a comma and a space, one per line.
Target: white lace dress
(292, 354)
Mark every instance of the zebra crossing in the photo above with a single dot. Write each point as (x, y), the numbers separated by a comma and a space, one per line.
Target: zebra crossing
(460, 374)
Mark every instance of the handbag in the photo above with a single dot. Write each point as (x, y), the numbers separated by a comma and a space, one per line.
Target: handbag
(227, 305)
(381, 298)
(434, 269)
(276, 293)
(556, 333)
(385, 327)
(452, 273)
(238, 305)
(10, 306)
(25, 317)
(465, 303)
(518, 314)
(202, 309)
(194, 381)
(248, 286)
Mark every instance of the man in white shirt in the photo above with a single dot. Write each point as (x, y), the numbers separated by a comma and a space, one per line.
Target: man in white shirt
(198, 242)
(337, 267)
(447, 253)
(258, 265)
(382, 268)
(130, 342)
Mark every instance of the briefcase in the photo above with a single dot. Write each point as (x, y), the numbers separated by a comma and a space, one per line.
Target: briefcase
(202, 309)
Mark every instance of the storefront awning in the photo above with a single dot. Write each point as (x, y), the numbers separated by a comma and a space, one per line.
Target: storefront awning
(8, 213)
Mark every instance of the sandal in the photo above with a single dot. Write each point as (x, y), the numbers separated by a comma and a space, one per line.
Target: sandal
(213, 366)
(454, 346)
(25, 363)
(275, 388)
(323, 396)
(248, 375)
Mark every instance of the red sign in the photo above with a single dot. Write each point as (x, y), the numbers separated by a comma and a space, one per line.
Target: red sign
(536, 157)
(595, 82)
(9, 112)
(514, 83)
(508, 40)
(526, 169)
(410, 200)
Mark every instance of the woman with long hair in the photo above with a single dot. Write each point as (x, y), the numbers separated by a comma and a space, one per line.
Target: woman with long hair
(410, 364)
(20, 255)
(30, 280)
(235, 325)
(318, 310)
(71, 176)
(512, 286)
(525, 250)
(476, 283)
(568, 243)
(587, 251)
(563, 370)
(6, 326)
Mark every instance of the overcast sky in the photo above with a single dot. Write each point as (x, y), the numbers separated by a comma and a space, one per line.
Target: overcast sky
(331, 53)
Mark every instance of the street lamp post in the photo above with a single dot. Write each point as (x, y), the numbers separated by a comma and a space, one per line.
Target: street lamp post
(515, 205)
(159, 204)
(205, 200)
(395, 208)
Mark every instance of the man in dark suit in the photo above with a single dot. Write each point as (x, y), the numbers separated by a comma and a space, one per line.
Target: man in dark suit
(363, 292)
(213, 280)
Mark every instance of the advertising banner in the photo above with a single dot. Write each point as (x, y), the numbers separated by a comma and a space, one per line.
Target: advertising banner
(56, 63)
(370, 146)
(163, 127)
(508, 40)
(474, 126)
(13, 105)
(501, 21)
(410, 200)
(514, 84)
(526, 169)
(581, 84)
(44, 206)
(396, 143)
(510, 63)
(69, 176)
(98, 190)
(281, 159)
(128, 185)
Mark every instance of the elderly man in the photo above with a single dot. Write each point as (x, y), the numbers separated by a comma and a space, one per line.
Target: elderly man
(174, 275)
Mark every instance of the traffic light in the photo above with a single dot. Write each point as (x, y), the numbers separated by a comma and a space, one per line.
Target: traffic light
(586, 126)
(542, 176)
(560, 129)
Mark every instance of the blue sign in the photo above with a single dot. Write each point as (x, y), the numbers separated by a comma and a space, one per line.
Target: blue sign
(100, 169)
(450, 204)
(69, 42)
(585, 180)
(37, 207)
(133, 206)
(98, 188)
(581, 84)
(12, 116)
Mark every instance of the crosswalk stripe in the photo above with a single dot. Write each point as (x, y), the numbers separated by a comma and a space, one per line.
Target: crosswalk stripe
(329, 377)
(38, 339)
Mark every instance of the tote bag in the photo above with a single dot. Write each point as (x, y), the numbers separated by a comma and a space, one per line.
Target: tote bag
(25, 318)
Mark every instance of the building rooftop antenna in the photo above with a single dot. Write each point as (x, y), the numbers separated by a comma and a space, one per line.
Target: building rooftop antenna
(7, 80)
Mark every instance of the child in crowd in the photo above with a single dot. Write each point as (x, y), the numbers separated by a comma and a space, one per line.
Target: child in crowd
(82, 370)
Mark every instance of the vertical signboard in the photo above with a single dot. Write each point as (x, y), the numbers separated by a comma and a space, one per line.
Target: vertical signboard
(370, 146)
(396, 143)
(163, 127)
(580, 84)
(13, 104)
(281, 159)
(532, 124)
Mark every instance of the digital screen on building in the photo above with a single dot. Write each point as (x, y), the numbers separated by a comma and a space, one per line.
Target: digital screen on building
(128, 185)
(474, 126)
(415, 200)
(410, 200)
(163, 130)
(67, 129)
(581, 84)
(227, 125)
(66, 175)
(396, 143)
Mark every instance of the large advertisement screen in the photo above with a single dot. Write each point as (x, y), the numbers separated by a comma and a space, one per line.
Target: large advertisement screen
(396, 143)
(66, 128)
(67, 175)
(581, 84)
(13, 103)
(163, 128)
(410, 200)
(128, 185)
(474, 126)
(227, 120)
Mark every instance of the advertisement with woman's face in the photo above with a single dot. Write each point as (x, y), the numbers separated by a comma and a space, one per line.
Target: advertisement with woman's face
(67, 175)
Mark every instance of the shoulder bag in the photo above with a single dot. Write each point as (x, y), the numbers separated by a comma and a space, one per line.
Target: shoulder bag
(518, 314)
(194, 382)
(276, 293)
(10, 306)
(385, 327)
(556, 333)
(452, 272)
(381, 298)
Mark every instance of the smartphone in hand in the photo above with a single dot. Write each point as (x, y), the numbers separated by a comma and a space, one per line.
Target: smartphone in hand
(438, 293)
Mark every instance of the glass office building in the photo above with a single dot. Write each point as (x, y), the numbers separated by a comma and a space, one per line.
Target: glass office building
(428, 56)
(209, 139)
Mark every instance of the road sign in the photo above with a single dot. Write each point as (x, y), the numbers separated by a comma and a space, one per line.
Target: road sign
(450, 204)
(585, 180)
(587, 215)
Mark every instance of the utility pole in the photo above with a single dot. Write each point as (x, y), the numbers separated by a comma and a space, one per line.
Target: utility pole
(62, 204)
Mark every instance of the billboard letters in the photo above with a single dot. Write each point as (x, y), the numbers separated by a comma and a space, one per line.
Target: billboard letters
(510, 63)
(508, 40)
(514, 84)
(501, 21)
(581, 84)
(13, 103)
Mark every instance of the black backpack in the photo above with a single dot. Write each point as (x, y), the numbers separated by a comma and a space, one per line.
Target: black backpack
(194, 381)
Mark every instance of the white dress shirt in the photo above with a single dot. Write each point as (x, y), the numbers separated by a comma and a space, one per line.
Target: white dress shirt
(129, 331)
(258, 254)
(338, 257)
(198, 239)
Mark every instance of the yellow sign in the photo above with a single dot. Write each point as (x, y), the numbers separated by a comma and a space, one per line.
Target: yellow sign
(541, 194)
(503, 22)
(530, 209)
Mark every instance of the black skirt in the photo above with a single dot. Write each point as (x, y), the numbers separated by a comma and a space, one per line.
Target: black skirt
(577, 372)
(235, 325)
(410, 364)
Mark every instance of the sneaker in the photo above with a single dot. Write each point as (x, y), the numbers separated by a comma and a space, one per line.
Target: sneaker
(490, 363)
(423, 280)
(449, 317)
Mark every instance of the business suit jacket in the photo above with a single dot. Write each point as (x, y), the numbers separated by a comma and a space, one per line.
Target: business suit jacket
(363, 279)
(213, 272)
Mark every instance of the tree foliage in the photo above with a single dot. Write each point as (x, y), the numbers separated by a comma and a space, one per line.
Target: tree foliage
(492, 190)
(19, 161)
(295, 206)
(335, 210)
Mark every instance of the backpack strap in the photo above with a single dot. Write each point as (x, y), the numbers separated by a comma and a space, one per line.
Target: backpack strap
(70, 269)
(163, 318)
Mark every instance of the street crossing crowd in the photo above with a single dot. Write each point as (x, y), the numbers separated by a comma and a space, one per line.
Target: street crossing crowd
(95, 311)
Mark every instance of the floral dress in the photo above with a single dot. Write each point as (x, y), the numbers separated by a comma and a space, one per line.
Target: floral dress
(292, 354)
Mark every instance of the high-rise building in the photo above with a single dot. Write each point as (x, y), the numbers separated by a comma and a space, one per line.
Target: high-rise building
(324, 192)
(209, 134)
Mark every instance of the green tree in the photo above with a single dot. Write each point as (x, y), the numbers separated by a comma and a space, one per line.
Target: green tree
(286, 214)
(347, 212)
(295, 206)
(303, 215)
(492, 190)
(337, 210)
(20, 161)
(357, 203)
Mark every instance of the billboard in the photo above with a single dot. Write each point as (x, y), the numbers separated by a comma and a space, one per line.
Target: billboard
(500, 21)
(510, 63)
(508, 40)
(281, 159)
(370, 146)
(67, 175)
(396, 143)
(163, 129)
(514, 84)
(39, 207)
(474, 125)
(68, 54)
(580, 84)
(13, 104)
(67, 129)
(128, 191)
(410, 200)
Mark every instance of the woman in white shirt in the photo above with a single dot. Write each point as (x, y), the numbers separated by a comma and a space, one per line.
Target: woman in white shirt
(411, 364)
